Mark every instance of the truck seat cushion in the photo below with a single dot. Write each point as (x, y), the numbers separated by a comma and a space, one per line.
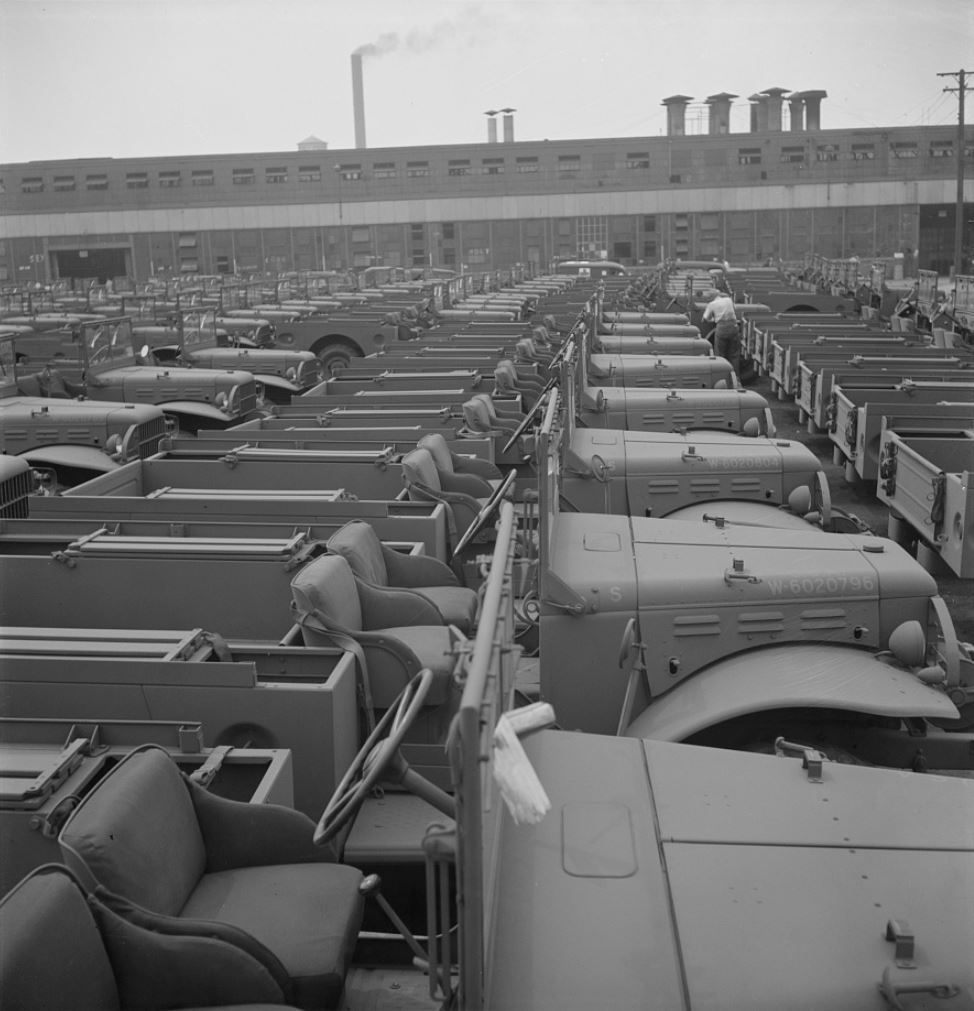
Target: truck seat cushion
(457, 604)
(418, 468)
(433, 648)
(436, 446)
(476, 416)
(157, 969)
(51, 947)
(108, 906)
(360, 546)
(316, 959)
(151, 853)
(326, 587)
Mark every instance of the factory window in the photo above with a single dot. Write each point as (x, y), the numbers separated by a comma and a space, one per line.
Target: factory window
(863, 152)
(189, 266)
(749, 156)
(904, 149)
(349, 173)
(681, 223)
(458, 166)
(137, 180)
(649, 249)
(649, 222)
(32, 184)
(415, 169)
(637, 160)
(361, 235)
(569, 163)
(527, 165)
(493, 166)
(170, 180)
(941, 149)
(675, 179)
(275, 176)
(621, 250)
(384, 170)
(792, 155)
(187, 240)
(64, 184)
(448, 229)
(826, 152)
(309, 173)
(476, 256)
(97, 181)
(244, 177)
(202, 177)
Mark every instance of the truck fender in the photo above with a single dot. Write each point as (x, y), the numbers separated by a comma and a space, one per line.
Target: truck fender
(278, 382)
(797, 675)
(80, 457)
(195, 409)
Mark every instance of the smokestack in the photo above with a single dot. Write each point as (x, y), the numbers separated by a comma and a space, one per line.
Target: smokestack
(676, 112)
(491, 126)
(813, 109)
(358, 100)
(774, 104)
(796, 102)
(719, 120)
(508, 125)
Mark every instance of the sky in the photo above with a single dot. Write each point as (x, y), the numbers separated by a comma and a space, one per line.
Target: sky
(148, 78)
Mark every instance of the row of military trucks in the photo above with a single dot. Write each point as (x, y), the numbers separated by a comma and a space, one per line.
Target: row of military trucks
(650, 711)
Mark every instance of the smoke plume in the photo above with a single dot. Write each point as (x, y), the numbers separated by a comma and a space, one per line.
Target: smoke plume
(461, 30)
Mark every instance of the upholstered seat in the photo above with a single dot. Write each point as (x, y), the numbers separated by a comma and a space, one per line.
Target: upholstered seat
(481, 417)
(423, 484)
(162, 846)
(396, 632)
(60, 948)
(379, 565)
(452, 464)
(508, 383)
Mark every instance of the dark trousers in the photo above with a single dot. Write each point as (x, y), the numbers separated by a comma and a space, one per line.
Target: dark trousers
(727, 344)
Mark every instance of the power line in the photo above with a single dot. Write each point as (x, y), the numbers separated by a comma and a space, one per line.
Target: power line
(960, 76)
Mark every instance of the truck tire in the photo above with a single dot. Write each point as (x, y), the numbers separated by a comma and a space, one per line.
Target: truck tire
(335, 358)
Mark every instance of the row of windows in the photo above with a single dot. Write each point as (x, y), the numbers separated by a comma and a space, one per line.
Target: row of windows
(566, 165)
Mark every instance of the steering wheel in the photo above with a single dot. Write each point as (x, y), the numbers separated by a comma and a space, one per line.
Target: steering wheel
(375, 758)
(97, 354)
(488, 508)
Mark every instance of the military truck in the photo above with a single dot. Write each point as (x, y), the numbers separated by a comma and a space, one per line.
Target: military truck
(700, 871)
(730, 620)
(192, 339)
(69, 441)
(100, 360)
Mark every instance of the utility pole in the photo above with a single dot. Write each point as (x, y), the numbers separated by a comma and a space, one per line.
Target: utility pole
(962, 88)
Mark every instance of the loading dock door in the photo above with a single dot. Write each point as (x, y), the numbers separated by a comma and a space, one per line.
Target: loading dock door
(100, 263)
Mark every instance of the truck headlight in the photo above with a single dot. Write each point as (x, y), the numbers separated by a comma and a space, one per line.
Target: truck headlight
(291, 374)
(221, 400)
(114, 446)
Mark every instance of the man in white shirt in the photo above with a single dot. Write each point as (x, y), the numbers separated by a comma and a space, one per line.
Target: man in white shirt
(727, 337)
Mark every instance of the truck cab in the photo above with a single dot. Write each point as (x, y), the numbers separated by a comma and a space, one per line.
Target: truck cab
(194, 341)
(103, 357)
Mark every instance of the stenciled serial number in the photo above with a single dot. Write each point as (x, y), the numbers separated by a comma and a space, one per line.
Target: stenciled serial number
(741, 462)
(797, 585)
